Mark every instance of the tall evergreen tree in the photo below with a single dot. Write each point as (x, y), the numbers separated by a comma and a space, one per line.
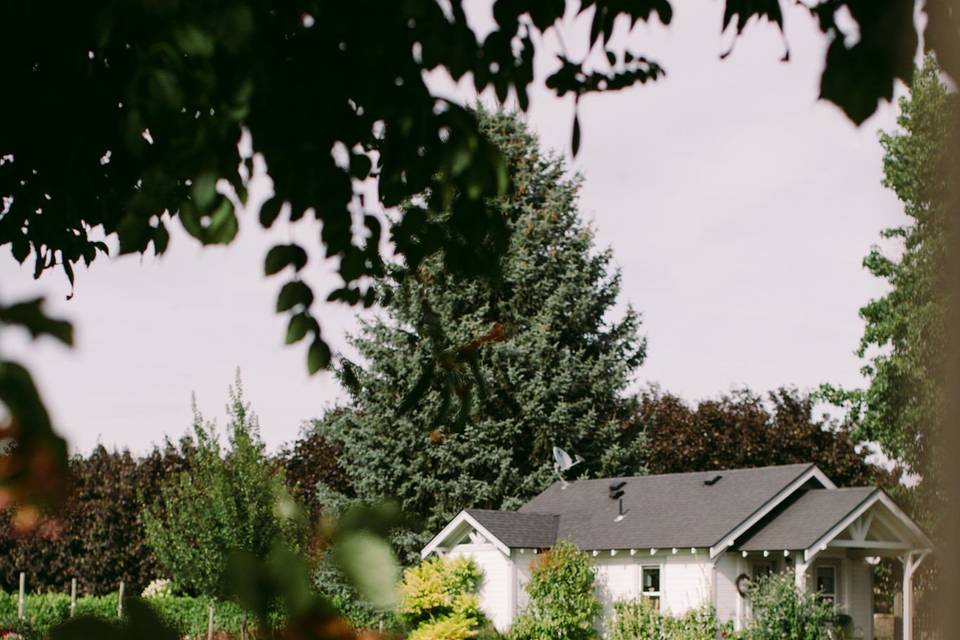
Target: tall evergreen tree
(535, 360)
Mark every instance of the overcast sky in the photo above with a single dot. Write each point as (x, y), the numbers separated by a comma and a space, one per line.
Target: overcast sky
(738, 207)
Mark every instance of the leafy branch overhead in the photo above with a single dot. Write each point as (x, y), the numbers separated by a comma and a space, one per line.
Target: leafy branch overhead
(123, 118)
(127, 116)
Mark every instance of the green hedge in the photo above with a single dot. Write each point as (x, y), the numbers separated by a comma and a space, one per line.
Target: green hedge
(44, 611)
(639, 620)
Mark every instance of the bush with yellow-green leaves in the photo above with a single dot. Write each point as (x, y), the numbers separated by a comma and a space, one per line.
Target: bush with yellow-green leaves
(439, 601)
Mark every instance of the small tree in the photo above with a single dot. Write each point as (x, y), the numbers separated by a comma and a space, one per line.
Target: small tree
(782, 612)
(233, 501)
(438, 599)
(563, 602)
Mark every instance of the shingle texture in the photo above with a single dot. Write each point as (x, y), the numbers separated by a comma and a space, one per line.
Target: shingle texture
(807, 519)
(519, 530)
(662, 511)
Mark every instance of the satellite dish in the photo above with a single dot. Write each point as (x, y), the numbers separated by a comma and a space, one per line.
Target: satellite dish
(563, 462)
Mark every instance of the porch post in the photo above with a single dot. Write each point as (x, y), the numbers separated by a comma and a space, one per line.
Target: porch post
(907, 598)
(800, 576)
(911, 561)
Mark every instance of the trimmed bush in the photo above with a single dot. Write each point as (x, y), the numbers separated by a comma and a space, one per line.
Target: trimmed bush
(438, 599)
(563, 603)
(639, 620)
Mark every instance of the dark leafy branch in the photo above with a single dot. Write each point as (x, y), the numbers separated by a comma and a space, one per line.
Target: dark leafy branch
(120, 118)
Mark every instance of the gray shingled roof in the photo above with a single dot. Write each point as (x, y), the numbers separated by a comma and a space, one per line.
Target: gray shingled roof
(807, 519)
(662, 511)
(519, 530)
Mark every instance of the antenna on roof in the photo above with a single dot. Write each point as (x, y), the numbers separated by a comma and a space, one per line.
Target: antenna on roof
(563, 462)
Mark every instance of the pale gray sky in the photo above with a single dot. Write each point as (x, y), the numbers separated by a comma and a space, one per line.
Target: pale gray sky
(738, 208)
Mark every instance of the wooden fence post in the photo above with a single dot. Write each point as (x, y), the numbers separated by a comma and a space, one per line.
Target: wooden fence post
(120, 601)
(73, 596)
(210, 621)
(23, 586)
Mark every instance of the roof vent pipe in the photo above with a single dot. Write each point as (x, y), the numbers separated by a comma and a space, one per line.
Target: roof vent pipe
(712, 481)
(616, 493)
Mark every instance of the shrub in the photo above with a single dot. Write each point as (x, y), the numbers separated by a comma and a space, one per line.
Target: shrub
(231, 501)
(331, 583)
(45, 611)
(158, 587)
(438, 599)
(782, 612)
(563, 603)
(639, 620)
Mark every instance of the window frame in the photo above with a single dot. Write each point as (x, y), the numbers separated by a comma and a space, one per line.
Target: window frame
(654, 596)
(771, 563)
(833, 597)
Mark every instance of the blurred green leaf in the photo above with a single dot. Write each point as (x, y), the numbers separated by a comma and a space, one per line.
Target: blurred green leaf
(369, 563)
(30, 316)
(318, 356)
(293, 294)
(283, 255)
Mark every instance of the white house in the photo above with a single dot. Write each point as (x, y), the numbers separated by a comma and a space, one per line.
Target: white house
(687, 539)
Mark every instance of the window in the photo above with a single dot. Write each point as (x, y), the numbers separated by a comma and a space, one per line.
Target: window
(650, 585)
(827, 584)
(763, 569)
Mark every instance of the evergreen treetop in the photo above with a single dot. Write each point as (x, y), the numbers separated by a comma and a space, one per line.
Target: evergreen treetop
(540, 361)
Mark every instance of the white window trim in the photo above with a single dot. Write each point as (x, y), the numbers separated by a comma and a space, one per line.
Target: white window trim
(838, 595)
(650, 594)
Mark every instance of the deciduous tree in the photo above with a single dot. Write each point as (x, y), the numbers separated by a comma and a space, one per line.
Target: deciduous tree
(230, 501)
(904, 340)
(744, 429)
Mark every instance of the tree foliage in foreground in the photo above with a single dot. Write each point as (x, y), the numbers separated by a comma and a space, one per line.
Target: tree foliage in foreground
(124, 116)
(744, 429)
(553, 366)
(231, 501)
(904, 341)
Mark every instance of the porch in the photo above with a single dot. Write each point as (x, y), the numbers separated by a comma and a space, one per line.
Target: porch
(832, 540)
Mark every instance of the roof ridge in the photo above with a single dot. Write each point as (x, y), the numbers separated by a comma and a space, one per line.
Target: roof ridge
(799, 465)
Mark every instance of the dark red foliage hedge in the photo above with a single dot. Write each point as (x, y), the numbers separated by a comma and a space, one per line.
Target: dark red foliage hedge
(743, 429)
(98, 538)
(309, 461)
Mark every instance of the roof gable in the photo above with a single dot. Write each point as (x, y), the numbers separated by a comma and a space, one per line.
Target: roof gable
(519, 530)
(806, 520)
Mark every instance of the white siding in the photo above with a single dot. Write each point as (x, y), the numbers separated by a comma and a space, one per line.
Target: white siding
(860, 605)
(523, 565)
(727, 600)
(685, 582)
(618, 578)
(496, 593)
